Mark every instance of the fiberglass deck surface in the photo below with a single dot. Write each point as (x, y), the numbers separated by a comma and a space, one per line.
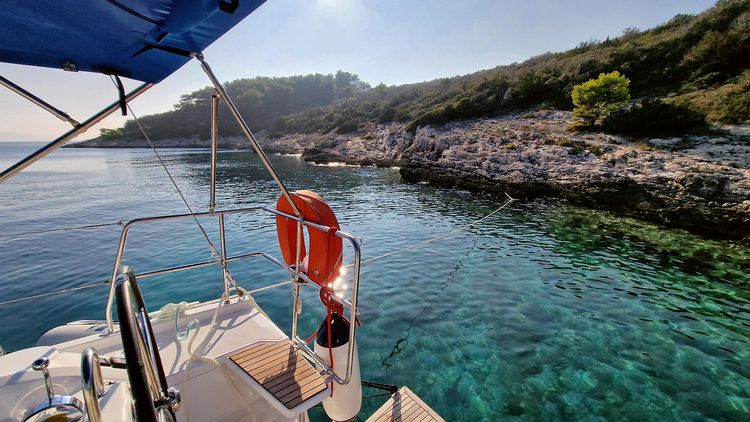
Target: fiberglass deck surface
(405, 406)
(279, 369)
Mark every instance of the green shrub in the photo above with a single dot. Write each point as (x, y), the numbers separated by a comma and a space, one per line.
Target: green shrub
(401, 115)
(654, 117)
(111, 133)
(598, 98)
(387, 114)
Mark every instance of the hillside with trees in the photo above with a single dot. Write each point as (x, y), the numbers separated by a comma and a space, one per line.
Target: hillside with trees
(695, 64)
(262, 100)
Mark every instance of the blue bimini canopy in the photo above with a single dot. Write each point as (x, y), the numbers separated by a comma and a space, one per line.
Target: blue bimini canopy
(146, 40)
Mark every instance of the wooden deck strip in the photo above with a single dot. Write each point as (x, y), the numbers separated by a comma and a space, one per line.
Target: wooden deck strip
(405, 406)
(278, 357)
(254, 355)
(398, 410)
(267, 372)
(283, 372)
(280, 383)
(406, 410)
(256, 350)
(399, 414)
(304, 386)
(412, 412)
(427, 418)
(258, 357)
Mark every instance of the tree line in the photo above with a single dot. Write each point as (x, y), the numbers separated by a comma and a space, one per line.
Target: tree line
(693, 65)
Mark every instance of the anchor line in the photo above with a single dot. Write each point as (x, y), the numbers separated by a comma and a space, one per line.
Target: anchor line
(404, 341)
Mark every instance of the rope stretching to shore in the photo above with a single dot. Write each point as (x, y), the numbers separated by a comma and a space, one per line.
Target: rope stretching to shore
(385, 255)
(436, 238)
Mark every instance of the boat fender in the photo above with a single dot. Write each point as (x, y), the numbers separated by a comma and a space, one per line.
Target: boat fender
(345, 400)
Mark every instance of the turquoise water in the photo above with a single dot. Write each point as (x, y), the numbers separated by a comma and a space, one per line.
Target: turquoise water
(544, 312)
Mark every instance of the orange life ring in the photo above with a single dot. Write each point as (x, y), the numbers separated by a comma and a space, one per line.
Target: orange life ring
(326, 249)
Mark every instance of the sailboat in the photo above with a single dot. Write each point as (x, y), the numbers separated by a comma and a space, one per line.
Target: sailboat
(234, 363)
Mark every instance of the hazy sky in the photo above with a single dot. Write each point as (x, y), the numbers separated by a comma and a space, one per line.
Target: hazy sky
(390, 41)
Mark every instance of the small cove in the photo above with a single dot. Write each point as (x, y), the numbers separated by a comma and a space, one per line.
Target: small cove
(544, 312)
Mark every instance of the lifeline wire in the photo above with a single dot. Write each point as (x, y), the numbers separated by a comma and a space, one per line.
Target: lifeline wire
(415, 246)
(56, 292)
(63, 229)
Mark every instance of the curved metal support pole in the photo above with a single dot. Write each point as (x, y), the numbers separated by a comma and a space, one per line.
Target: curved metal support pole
(77, 130)
(246, 130)
(92, 384)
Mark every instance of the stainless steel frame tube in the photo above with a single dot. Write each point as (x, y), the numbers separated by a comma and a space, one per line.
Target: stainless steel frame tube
(92, 384)
(214, 146)
(63, 139)
(224, 255)
(246, 130)
(38, 101)
(299, 279)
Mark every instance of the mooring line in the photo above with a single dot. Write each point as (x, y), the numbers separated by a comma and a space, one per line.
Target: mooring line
(436, 238)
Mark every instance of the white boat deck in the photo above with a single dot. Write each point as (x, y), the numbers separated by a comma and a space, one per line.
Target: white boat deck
(212, 389)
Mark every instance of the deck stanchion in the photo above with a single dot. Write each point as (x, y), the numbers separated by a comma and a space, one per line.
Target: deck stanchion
(224, 255)
(214, 146)
(219, 89)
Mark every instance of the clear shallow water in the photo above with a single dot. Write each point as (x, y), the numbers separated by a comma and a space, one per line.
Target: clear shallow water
(544, 312)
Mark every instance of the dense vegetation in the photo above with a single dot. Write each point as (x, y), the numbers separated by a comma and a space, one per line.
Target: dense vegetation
(261, 100)
(604, 104)
(691, 64)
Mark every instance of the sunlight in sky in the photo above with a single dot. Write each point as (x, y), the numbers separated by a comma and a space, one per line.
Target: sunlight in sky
(389, 41)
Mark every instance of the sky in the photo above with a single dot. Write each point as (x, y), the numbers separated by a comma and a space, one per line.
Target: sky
(389, 41)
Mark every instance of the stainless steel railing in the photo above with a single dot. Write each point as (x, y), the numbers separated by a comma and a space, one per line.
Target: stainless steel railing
(298, 279)
(92, 384)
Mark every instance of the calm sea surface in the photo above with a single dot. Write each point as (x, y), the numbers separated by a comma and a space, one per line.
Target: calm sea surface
(543, 312)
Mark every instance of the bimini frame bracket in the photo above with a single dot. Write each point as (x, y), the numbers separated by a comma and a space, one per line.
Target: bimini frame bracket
(78, 129)
(38, 101)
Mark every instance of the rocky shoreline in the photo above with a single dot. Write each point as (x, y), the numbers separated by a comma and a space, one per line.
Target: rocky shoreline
(697, 182)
